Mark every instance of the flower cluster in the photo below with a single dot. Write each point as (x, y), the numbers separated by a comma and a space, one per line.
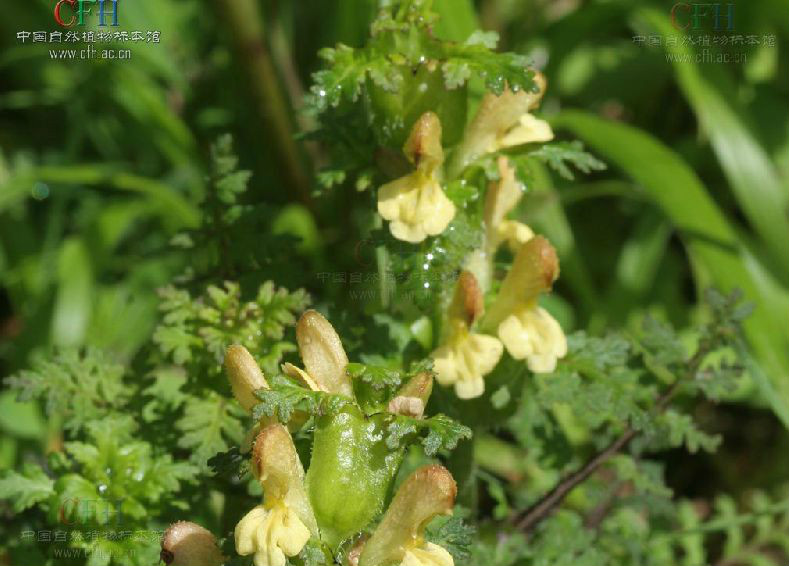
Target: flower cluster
(352, 466)
(473, 342)
(350, 471)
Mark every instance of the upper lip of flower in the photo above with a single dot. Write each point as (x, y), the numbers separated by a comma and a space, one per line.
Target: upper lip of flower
(427, 492)
(324, 357)
(497, 123)
(244, 375)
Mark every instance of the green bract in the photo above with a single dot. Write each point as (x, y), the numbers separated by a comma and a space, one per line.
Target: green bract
(350, 473)
(422, 89)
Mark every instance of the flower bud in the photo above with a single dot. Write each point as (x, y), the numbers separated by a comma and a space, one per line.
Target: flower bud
(322, 352)
(408, 406)
(427, 492)
(244, 375)
(413, 396)
(189, 544)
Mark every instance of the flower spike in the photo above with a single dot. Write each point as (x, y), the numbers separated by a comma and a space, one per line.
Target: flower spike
(284, 522)
(415, 204)
(399, 538)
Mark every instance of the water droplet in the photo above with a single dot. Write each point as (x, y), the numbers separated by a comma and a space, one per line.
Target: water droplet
(40, 191)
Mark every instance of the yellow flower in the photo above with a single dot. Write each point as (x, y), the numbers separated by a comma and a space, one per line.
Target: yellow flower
(528, 331)
(399, 537)
(271, 535)
(284, 522)
(415, 204)
(529, 129)
(466, 357)
(428, 555)
(503, 121)
(514, 233)
(533, 334)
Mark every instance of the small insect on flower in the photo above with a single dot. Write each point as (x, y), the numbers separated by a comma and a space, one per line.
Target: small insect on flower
(415, 204)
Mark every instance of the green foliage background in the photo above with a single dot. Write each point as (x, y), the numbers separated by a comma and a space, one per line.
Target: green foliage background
(136, 248)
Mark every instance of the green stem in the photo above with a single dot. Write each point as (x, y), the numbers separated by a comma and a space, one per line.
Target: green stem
(244, 22)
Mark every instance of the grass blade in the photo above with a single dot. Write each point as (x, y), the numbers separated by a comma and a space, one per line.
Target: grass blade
(752, 176)
(716, 252)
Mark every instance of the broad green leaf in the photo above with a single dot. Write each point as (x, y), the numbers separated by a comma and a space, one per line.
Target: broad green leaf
(752, 176)
(74, 300)
(715, 251)
(22, 420)
(638, 265)
(457, 19)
